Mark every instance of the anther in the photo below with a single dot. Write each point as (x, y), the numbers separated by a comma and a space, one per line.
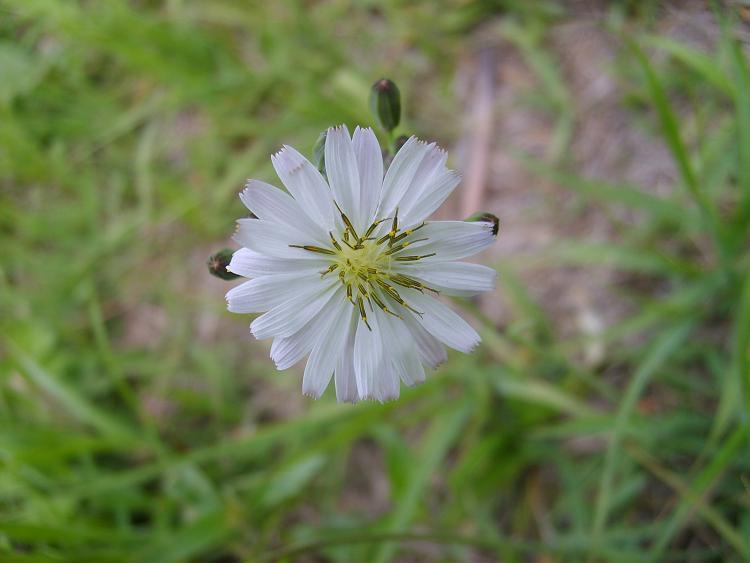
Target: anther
(402, 246)
(362, 312)
(346, 221)
(330, 269)
(408, 232)
(372, 228)
(413, 258)
(334, 241)
(390, 290)
(383, 306)
(313, 249)
(382, 239)
(406, 281)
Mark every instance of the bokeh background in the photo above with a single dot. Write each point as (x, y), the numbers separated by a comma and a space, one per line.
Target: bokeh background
(605, 417)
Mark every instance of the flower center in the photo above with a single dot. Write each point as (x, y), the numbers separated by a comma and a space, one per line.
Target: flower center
(365, 264)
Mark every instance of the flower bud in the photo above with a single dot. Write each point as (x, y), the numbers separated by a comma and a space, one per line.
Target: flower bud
(487, 218)
(385, 104)
(319, 153)
(217, 264)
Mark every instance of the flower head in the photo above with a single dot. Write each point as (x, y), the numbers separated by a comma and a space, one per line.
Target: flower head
(348, 270)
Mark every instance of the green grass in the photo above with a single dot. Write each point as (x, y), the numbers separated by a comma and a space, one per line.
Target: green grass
(139, 422)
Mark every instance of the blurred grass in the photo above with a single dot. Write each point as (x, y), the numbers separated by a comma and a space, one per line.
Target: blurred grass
(139, 423)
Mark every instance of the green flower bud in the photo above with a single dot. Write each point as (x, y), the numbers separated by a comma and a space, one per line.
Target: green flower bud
(319, 153)
(385, 104)
(217, 264)
(486, 217)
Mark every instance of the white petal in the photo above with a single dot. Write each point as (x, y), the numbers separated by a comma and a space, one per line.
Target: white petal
(266, 292)
(442, 322)
(287, 351)
(342, 172)
(288, 318)
(368, 353)
(345, 379)
(251, 264)
(432, 165)
(306, 185)
(370, 166)
(269, 239)
(454, 278)
(400, 346)
(431, 198)
(387, 385)
(431, 351)
(400, 174)
(327, 351)
(271, 204)
(452, 240)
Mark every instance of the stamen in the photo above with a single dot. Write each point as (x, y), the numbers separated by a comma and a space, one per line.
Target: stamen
(395, 295)
(411, 283)
(383, 306)
(372, 228)
(330, 269)
(406, 281)
(408, 232)
(363, 265)
(413, 258)
(333, 241)
(402, 246)
(310, 248)
(346, 221)
(362, 312)
(395, 248)
(403, 235)
(390, 290)
(382, 239)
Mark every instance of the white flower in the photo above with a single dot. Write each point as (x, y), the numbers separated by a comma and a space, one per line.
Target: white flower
(348, 270)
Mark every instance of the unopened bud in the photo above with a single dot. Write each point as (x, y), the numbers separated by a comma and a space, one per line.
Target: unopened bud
(487, 218)
(217, 264)
(385, 104)
(319, 153)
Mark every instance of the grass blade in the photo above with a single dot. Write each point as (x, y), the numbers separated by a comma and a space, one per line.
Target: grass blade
(444, 431)
(658, 354)
(671, 131)
(695, 493)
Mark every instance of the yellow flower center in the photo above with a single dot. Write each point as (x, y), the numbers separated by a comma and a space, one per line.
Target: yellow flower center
(364, 264)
